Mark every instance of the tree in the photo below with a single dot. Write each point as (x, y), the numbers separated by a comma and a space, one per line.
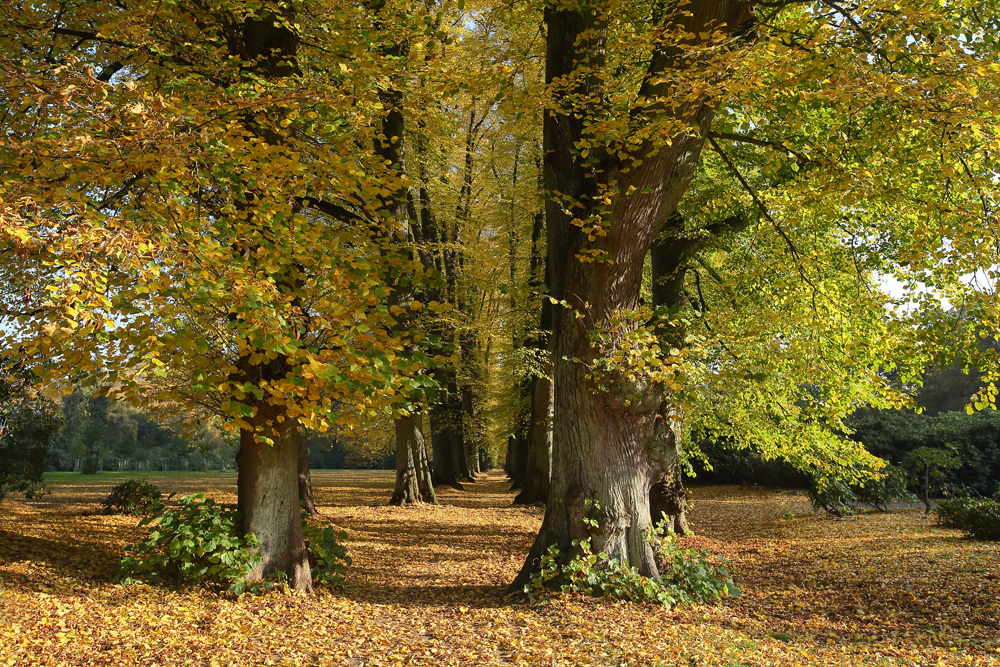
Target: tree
(799, 202)
(927, 465)
(28, 425)
(205, 229)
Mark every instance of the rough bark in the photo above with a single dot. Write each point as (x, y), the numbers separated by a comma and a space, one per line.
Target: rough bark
(614, 439)
(668, 502)
(268, 497)
(305, 481)
(413, 477)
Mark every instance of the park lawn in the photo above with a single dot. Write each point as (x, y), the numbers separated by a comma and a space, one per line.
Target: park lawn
(427, 584)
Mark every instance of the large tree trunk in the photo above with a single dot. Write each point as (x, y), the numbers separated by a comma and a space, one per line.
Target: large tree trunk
(614, 435)
(267, 484)
(305, 481)
(607, 453)
(268, 496)
(413, 475)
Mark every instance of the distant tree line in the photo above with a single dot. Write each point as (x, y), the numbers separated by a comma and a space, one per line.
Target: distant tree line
(83, 431)
(943, 424)
(28, 425)
(99, 434)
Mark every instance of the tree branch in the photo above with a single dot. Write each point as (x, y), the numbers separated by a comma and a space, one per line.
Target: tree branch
(767, 215)
(742, 138)
(113, 199)
(335, 211)
(753, 194)
(87, 35)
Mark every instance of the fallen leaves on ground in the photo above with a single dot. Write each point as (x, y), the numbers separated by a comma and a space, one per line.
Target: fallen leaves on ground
(427, 589)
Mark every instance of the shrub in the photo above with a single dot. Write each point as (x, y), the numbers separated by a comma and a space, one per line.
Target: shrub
(982, 520)
(135, 496)
(687, 576)
(879, 492)
(696, 578)
(196, 543)
(951, 513)
(327, 556)
(977, 517)
(199, 542)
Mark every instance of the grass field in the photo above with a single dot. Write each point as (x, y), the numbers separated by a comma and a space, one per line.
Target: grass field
(426, 588)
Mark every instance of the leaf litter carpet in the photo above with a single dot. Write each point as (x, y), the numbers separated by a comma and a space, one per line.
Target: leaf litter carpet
(427, 585)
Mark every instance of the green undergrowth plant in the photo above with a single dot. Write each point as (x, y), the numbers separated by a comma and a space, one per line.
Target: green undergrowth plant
(134, 496)
(951, 511)
(198, 542)
(687, 576)
(201, 543)
(978, 518)
(328, 558)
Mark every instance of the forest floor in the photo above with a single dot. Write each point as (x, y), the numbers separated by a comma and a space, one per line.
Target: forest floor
(427, 585)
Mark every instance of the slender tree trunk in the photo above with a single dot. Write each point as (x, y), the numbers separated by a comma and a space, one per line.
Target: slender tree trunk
(508, 461)
(446, 437)
(305, 480)
(467, 397)
(413, 477)
(268, 495)
(516, 465)
(470, 442)
(516, 461)
(927, 489)
(535, 488)
(537, 464)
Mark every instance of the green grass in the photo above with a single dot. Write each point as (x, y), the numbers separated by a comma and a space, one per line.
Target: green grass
(75, 487)
(122, 475)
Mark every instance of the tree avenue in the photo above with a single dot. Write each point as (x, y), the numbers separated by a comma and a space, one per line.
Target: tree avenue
(315, 212)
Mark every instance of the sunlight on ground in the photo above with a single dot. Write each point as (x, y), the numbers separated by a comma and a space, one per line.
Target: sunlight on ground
(426, 588)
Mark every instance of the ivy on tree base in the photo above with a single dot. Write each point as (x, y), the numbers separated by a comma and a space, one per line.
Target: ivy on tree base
(688, 576)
